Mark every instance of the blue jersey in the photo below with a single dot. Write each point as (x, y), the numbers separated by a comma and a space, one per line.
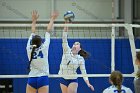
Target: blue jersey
(39, 64)
(113, 89)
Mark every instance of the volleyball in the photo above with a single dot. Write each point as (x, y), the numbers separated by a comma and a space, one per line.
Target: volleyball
(69, 16)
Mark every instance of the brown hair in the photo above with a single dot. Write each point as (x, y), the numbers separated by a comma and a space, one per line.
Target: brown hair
(36, 40)
(83, 53)
(116, 78)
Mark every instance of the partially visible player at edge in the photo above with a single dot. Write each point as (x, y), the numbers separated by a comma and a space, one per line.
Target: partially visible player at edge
(137, 78)
(116, 79)
(72, 59)
(38, 57)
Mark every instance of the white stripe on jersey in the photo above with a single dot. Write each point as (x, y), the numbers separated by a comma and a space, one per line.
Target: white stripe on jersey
(39, 65)
(113, 89)
(70, 63)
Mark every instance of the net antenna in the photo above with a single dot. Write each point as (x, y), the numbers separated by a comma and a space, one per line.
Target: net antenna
(113, 38)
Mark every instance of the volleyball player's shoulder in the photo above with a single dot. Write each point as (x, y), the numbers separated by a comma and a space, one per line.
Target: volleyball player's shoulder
(124, 87)
(47, 33)
(127, 89)
(81, 59)
(107, 89)
(32, 34)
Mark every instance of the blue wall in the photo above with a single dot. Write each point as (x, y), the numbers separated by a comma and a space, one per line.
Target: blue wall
(13, 60)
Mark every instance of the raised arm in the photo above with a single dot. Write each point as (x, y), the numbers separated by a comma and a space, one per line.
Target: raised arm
(64, 39)
(49, 28)
(53, 17)
(83, 71)
(35, 16)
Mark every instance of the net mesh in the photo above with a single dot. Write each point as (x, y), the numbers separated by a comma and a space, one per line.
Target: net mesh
(95, 39)
(108, 44)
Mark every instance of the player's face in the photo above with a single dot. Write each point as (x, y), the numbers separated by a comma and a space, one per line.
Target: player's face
(76, 47)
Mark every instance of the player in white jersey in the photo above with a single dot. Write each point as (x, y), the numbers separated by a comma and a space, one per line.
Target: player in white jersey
(38, 56)
(137, 78)
(72, 59)
(116, 79)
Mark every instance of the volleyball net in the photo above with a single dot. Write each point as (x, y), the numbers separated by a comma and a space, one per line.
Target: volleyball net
(111, 47)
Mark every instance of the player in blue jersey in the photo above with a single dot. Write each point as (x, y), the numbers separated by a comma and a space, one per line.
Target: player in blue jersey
(38, 57)
(72, 59)
(137, 78)
(116, 79)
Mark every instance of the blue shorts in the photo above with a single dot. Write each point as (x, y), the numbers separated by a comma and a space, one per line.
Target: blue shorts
(66, 82)
(37, 82)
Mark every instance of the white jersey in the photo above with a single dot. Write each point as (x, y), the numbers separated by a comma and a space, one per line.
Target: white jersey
(113, 89)
(39, 64)
(70, 62)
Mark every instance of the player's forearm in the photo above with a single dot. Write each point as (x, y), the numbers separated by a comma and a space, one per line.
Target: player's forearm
(87, 82)
(65, 33)
(66, 27)
(50, 25)
(64, 37)
(33, 26)
(65, 42)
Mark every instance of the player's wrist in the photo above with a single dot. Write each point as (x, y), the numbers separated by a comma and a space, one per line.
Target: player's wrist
(33, 22)
(89, 85)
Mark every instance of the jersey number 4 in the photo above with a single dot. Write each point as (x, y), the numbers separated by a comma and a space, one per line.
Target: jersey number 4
(40, 54)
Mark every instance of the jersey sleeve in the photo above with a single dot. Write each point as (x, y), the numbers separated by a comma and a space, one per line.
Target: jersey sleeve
(28, 47)
(65, 42)
(129, 91)
(47, 40)
(105, 91)
(83, 68)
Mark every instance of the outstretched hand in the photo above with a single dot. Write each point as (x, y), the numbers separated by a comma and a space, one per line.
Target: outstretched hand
(55, 14)
(35, 15)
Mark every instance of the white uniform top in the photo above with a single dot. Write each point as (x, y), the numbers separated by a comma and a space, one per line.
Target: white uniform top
(113, 89)
(39, 64)
(70, 63)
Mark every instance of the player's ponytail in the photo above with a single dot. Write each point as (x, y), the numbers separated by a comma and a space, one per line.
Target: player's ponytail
(31, 58)
(117, 78)
(32, 52)
(118, 83)
(83, 53)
